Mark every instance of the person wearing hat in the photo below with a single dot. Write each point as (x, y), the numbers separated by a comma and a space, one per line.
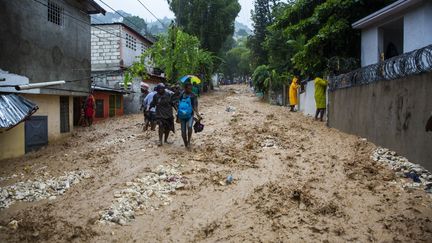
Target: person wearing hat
(164, 105)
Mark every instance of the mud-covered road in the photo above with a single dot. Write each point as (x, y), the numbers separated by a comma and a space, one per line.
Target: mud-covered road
(295, 180)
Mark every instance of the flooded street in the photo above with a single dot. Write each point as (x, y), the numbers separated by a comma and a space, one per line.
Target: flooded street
(293, 180)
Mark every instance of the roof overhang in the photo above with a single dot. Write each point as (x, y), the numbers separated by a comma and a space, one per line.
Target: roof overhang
(92, 7)
(14, 109)
(385, 13)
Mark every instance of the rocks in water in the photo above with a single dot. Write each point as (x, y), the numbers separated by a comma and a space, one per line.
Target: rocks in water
(144, 193)
(419, 176)
(40, 188)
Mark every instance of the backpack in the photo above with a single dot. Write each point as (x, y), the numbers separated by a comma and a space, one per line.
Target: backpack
(185, 108)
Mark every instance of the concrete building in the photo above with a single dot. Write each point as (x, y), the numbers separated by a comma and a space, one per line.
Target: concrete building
(42, 41)
(399, 28)
(113, 54)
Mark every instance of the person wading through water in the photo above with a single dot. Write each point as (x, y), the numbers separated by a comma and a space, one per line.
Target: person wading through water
(187, 107)
(164, 104)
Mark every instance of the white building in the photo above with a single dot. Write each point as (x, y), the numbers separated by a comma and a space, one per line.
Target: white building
(114, 48)
(401, 27)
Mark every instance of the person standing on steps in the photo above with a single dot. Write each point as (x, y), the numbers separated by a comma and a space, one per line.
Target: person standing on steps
(187, 107)
(320, 97)
(164, 104)
(293, 94)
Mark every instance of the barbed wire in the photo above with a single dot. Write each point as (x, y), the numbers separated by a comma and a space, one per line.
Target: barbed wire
(411, 63)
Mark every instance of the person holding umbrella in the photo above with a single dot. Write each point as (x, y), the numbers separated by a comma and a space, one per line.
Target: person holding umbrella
(187, 107)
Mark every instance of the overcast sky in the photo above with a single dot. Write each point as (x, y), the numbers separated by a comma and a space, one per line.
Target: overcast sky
(161, 9)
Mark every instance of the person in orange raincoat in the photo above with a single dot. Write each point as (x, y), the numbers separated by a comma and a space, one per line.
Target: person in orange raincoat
(293, 93)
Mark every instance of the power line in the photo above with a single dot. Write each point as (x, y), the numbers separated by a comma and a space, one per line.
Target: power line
(124, 18)
(163, 25)
(82, 21)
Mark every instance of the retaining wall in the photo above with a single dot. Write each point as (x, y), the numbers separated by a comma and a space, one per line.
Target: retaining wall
(392, 114)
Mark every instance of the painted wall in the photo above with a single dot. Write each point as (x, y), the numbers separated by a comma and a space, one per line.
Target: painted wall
(44, 51)
(12, 142)
(49, 105)
(418, 28)
(369, 46)
(130, 55)
(307, 100)
(392, 114)
(100, 95)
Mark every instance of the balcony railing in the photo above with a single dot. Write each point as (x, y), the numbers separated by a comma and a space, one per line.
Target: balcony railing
(408, 64)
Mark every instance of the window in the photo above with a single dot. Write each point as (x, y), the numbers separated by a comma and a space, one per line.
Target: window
(64, 114)
(131, 42)
(99, 108)
(55, 13)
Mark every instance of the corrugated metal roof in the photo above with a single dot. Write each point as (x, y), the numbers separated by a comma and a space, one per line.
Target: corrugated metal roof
(14, 109)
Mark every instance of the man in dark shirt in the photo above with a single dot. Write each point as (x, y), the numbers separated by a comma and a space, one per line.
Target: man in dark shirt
(164, 113)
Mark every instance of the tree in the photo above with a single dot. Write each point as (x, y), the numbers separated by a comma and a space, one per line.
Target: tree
(211, 21)
(177, 53)
(262, 18)
(316, 32)
(237, 61)
(136, 23)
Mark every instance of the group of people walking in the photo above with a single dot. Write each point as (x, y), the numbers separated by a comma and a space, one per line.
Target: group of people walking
(320, 96)
(159, 106)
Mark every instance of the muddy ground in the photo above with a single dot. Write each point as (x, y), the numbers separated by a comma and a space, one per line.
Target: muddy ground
(295, 180)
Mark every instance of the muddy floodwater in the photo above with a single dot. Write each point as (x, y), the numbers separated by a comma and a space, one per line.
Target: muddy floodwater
(257, 173)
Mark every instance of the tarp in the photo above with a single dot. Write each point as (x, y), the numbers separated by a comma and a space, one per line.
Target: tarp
(14, 109)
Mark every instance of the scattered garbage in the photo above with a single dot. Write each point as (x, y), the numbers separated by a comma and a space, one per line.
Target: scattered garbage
(230, 109)
(403, 168)
(39, 189)
(144, 193)
(229, 179)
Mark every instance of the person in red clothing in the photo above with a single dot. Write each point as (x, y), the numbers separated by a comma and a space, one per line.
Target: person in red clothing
(90, 107)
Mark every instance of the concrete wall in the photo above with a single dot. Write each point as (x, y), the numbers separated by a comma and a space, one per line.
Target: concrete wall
(12, 142)
(369, 46)
(418, 28)
(392, 114)
(41, 50)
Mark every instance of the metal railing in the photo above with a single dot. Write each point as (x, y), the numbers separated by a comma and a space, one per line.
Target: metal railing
(408, 64)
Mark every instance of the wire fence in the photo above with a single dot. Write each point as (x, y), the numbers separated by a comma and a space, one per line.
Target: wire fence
(408, 64)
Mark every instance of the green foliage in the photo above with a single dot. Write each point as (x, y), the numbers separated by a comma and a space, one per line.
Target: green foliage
(262, 18)
(211, 21)
(261, 78)
(237, 61)
(315, 33)
(308, 37)
(178, 54)
(139, 24)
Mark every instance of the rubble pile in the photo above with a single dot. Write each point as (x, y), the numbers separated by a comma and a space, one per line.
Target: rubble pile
(144, 193)
(39, 189)
(419, 175)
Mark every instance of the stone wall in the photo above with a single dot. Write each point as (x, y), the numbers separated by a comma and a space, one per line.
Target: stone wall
(392, 114)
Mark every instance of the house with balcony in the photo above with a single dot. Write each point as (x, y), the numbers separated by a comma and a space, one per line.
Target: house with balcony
(401, 27)
(43, 41)
(111, 56)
